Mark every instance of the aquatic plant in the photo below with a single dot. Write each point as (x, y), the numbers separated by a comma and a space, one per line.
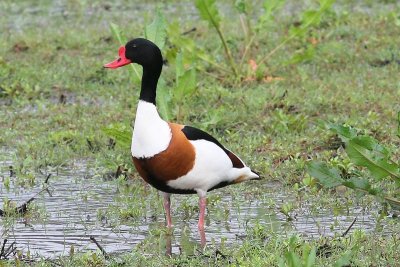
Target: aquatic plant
(311, 17)
(365, 152)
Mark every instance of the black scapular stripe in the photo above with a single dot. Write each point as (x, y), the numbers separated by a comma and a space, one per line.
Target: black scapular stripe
(192, 133)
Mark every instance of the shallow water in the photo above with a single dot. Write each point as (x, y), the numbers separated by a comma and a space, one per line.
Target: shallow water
(77, 195)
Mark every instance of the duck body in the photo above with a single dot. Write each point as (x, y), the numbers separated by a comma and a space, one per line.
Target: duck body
(181, 159)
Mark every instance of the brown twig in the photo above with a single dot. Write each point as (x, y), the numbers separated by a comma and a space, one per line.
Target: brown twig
(47, 178)
(348, 229)
(189, 31)
(6, 252)
(11, 169)
(10, 250)
(46, 182)
(120, 170)
(217, 252)
(91, 147)
(99, 246)
(22, 209)
(2, 247)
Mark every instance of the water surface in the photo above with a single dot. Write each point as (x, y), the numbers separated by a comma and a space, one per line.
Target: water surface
(70, 215)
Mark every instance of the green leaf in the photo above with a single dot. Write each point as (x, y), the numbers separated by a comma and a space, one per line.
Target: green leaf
(208, 12)
(398, 120)
(188, 46)
(156, 31)
(281, 262)
(186, 84)
(185, 79)
(179, 40)
(163, 100)
(328, 177)
(358, 151)
(121, 133)
(355, 182)
(311, 18)
(361, 184)
(240, 6)
(344, 260)
(325, 4)
(304, 56)
(292, 259)
(344, 132)
(372, 144)
(116, 31)
(270, 8)
(179, 68)
(310, 258)
(297, 31)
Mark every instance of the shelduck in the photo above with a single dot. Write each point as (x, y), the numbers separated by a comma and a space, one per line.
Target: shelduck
(174, 158)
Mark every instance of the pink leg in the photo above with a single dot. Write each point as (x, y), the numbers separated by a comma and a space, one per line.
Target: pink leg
(202, 206)
(167, 208)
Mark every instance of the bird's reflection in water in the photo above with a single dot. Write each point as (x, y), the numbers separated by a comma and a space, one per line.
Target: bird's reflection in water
(168, 244)
(186, 244)
(202, 238)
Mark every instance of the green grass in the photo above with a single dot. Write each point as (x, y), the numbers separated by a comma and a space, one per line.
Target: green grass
(55, 53)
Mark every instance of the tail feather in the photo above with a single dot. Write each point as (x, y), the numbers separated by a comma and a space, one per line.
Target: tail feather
(243, 174)
(255, 176)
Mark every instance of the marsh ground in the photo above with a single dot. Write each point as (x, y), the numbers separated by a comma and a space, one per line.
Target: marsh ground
(56, 99)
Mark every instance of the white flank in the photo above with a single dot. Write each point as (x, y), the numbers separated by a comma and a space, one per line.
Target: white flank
(212, 166)
(151, 134)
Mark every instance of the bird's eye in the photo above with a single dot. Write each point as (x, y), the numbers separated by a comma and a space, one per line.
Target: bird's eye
(134, 45)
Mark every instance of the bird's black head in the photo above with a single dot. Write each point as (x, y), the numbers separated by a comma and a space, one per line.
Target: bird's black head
(140, 51)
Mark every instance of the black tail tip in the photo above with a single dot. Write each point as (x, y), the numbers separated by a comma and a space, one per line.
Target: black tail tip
(259, 175)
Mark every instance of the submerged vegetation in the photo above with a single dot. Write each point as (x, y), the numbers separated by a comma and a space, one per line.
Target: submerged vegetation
(306, 93)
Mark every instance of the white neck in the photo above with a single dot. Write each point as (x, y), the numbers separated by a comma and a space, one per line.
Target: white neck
(151, 134)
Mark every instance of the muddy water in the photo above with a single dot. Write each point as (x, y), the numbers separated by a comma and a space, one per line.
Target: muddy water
(69, 216)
